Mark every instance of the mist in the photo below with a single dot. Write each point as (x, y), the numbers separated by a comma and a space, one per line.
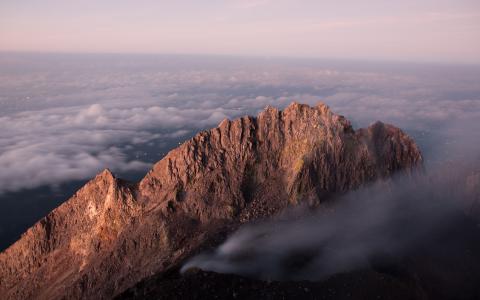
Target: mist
(384, 219)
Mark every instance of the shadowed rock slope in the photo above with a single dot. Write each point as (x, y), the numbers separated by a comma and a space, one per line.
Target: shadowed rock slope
(111, 234)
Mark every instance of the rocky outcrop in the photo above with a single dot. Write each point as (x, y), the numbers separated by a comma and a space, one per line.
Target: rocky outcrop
(111, 234)
(62, 245)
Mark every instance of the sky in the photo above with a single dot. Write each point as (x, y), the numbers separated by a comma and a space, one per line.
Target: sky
(446, 31)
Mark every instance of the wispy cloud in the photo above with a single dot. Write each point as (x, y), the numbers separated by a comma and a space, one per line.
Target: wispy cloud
(379, 221)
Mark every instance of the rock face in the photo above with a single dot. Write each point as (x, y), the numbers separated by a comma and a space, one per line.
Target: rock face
(111, 234)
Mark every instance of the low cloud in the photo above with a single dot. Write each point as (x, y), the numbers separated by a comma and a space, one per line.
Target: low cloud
(52, 146)
(65, 118)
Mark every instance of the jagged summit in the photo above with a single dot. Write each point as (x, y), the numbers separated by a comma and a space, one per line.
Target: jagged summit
(111, 234)
(106, 173)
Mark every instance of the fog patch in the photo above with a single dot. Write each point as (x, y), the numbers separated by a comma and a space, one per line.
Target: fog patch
(387, 218)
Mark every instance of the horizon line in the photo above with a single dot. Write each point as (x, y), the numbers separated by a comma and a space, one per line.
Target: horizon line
(251, 56)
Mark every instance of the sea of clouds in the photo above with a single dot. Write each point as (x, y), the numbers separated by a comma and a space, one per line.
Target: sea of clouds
(66, 117)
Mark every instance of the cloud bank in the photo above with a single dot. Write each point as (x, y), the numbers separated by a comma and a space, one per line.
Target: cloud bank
(66, 117)
(48, 147)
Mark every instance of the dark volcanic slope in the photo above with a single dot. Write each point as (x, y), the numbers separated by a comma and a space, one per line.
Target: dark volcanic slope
(111, 234)
(443, 265)
(364, 284)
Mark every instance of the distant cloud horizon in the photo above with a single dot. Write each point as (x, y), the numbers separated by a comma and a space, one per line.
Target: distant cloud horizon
(419, 31)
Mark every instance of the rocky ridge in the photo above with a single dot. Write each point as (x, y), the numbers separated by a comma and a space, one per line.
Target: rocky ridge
(111, 233)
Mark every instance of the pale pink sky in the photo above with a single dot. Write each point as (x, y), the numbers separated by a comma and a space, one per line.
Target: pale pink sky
(415, 30)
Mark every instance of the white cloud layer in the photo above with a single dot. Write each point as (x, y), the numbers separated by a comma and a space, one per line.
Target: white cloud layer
(66, 118)
(52, 146)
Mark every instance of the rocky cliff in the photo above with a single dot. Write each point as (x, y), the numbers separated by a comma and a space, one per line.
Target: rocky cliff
(111, 234)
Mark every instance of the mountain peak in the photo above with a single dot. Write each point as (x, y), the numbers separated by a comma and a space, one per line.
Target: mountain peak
(105, 175)
(296, 106)
(110, 234)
